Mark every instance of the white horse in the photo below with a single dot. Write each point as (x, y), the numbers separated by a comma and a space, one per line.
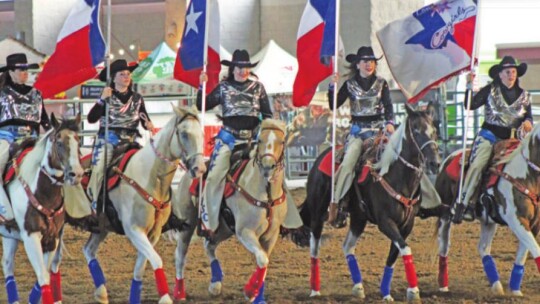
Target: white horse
(38, 205)
(142, 198)
(513, 201)
(259, 208)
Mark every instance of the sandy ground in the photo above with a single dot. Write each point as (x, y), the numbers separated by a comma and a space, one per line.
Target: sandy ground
(288, 274)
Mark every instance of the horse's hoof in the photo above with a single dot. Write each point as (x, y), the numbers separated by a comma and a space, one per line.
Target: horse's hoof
(388, 299)
(444, 289)
(165, 299)
(215, 288)
(497, 288)
(100, 295)
(516, 293)
(315, 293)
(358, 291)
(413, 294)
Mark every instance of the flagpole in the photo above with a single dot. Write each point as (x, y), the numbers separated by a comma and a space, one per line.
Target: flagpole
(107, 84)
(468, 97)
(203, 101)
(334, 106)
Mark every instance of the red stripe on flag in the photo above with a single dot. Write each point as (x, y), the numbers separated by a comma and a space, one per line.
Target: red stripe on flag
(464, 34)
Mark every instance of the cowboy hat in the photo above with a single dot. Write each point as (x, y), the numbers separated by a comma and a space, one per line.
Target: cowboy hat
(507, 62)
(240, 58)
(18, 61)
(363, 53)
(117, 66)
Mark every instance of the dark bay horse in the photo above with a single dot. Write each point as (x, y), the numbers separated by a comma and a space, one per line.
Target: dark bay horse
(513, 200)
(389, 198)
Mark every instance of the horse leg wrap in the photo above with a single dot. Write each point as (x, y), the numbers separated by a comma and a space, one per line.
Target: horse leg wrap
(260, 298)
(96, 272)
(35, 294)
(443, 271)
(11, 289)
(217, 273)
(315, 279)
(161, 282)
(255, 282)
(490, 269)
(356, 276)
(410, 271)
(56, 285)
(516, 277)
(135, 292)
(537, 260)
(46, 295)
(180, 290)
(386, 281)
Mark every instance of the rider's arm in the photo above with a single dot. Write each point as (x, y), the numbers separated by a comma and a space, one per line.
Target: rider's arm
(480, 98)
(212, 99)
(387, 104)
(266, 110)
(342, 96)
(96, 112)
(528, 115)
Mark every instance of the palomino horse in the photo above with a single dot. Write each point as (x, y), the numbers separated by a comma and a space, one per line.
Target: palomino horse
(38, 205)
(388, 197)
(142, 198)
(258, 206)
(512, 200)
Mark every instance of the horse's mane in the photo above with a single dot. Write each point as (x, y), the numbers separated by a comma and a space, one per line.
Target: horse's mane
(69, 124)
(32, 160)
(190, 111)
(273, 123)
(392, 150)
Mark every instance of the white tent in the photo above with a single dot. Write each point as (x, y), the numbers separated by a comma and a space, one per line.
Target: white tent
(276, 69)
(11, 45)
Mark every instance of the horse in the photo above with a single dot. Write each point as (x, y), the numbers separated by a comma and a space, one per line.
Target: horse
(38, 205)
(510, 198)
(388, 196)
(258, 206)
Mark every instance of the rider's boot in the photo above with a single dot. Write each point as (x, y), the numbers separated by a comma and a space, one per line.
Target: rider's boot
(469, 215)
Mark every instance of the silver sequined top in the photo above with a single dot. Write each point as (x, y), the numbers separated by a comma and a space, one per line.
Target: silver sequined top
(499, 113)
(14, 105)
(124, 116)
(365, 103)
(244, 100)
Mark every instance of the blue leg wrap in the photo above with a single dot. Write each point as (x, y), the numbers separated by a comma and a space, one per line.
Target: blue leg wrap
(217, 273)
(490, 269)
(96, 272)
(135, 292)
(35, 294)
(260, 298)
(356, 276)
(516, 277)
(11, 289)
(386, 281)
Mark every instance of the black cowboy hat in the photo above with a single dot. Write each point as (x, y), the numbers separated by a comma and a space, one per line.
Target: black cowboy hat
(507, 62)
(240, 58)
(363, 53)
(18, 61)
(117, 66)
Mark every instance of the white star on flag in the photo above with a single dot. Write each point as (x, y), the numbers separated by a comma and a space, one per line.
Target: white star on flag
(191, 20)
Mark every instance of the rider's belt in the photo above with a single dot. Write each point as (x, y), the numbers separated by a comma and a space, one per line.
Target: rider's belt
(122, 134)
(240, 134)
(499, 131)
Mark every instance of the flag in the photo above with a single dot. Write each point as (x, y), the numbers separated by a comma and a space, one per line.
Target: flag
(80, 47)
(314, 49)
(190, 58)
(430, 46)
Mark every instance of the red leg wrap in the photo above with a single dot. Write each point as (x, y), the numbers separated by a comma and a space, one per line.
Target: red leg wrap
(410, 271)
(252, 287)
(537, 260)
(46, 295)
(56, 286)
(443, 271)
(315, 280)
(180, 290)
(161, 282)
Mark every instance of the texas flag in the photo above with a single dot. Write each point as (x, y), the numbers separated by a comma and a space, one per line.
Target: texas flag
(314, 49)
(190, 59)
(80, 47)
(430, 46)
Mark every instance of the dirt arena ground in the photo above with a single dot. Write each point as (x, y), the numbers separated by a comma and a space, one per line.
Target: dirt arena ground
(288, 274)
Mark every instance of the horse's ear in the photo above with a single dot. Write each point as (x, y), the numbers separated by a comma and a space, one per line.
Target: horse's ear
(54, 122)
(177, 110)
(409, 109)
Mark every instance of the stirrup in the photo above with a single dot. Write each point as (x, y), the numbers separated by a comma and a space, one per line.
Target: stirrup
(458, 212)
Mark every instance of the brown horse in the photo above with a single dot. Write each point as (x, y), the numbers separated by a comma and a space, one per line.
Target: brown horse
(512, 200)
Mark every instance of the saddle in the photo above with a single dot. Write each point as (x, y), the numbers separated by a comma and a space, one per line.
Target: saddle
(17, 151)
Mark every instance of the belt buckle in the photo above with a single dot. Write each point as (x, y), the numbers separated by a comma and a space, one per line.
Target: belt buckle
(244, 134)
(513, 133)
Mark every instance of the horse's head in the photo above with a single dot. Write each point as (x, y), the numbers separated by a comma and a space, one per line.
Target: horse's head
(64, 145)
(424, 134)
(270, 147)
(189, 137)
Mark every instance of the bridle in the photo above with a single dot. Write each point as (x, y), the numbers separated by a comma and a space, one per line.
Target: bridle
(279, 162)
